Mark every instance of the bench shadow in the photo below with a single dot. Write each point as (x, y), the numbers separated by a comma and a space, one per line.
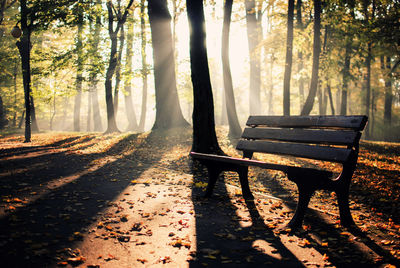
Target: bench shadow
(342, 250)
(222, 239)
(34, 235)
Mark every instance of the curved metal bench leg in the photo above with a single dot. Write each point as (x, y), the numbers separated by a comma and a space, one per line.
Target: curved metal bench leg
(244, 183)
(346, 219)
(305, 194)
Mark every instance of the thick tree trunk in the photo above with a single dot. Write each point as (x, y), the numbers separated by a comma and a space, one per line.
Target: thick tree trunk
(168, 110)
(144, 66)
(24, 47)
(130, 112)
(204, 135)
(253, 41)
(79, 78)
(234, 126)
(288, 62)
(315, 67)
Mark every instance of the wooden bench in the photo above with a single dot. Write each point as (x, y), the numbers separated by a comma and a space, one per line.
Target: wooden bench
(324, 138)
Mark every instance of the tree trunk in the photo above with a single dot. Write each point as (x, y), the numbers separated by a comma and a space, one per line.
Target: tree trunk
(24, 47)
(387, 114)
(97, 125)
(111, 123)
(368, 87)
(288, 62)
(300, 62)
(204, 135)
(79, 78)
(15, 94)
(118, 70)
(89, 115)
(144, 66)
(234, 126)
(315, 67)
(168, 110)
(130, 112)
(34, 124)
(253, 41)
(3, 119)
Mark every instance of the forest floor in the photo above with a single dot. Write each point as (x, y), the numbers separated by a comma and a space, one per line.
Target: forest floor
(133, 200)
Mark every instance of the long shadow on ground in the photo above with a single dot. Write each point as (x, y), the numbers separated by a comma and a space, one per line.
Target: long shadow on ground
(36, 233)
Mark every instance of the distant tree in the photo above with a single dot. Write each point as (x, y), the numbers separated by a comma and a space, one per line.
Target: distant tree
(253, 37)
(4, 5)
(315, 66)
(130, 111)
(79, 68)
(204, 135)
(289, 55)
(120, 16)
(3, 119)
(300, 61)
(347, 59)
(168, 110)
(386, 68)
(234, 126)
(144, 65)
(38, 14)
(96, 64)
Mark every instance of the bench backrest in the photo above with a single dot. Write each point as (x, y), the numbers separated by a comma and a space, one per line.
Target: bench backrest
(327, 138)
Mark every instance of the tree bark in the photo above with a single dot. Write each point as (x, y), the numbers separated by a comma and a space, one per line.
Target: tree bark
(24, 47)
(288, 62)
(3, 119)
(387, 115)
(204, 135)
(79, 78)
(118, 70)
(234, 126)
(253, 41)
(368, 88)
(111, 123)
(144, 66)
(300, 64)
(168, 110)
(315, 67)
(96, 58)
(130, 111)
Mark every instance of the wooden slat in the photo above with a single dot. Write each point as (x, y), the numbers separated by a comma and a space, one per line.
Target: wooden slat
(324, 153)
(355, 122)
(251, 162)
(238, 161)
(337, 137)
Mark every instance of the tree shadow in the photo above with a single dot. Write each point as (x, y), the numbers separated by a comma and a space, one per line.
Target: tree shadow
(33, 235)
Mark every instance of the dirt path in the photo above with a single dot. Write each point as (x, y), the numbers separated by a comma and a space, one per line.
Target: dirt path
(135, 201)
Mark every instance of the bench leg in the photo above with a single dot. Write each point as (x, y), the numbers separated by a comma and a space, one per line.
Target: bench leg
(305, 194)
(346, 219)
(244, 183)
(213, 174)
